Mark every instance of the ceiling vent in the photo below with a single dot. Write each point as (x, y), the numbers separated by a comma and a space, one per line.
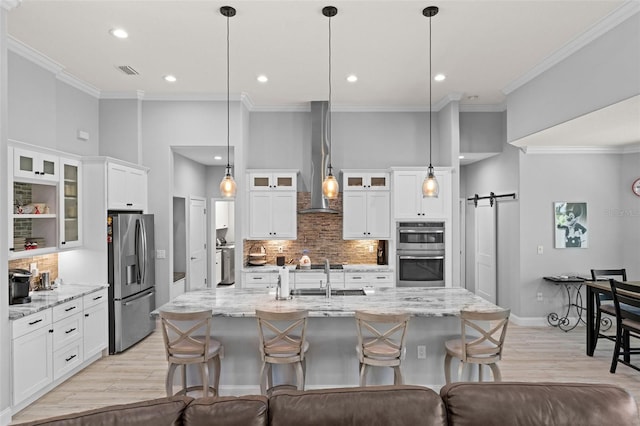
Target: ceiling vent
(127, 69)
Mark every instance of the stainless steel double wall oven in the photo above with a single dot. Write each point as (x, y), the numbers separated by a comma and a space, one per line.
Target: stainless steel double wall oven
(420, 254)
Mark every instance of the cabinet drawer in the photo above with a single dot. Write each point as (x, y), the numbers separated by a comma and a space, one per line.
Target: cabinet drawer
(67, 358)
(92, 299)
(31, 322)
(381, 277)
(67, 330)
(260, 278)
(67, 309)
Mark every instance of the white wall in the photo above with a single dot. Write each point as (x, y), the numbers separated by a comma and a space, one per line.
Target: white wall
(628, 215)
(189, 177)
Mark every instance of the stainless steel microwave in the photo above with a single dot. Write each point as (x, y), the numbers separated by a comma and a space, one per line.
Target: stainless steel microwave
(420, 236)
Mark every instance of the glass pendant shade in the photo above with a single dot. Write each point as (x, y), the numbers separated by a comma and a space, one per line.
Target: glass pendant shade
(430, 187)
(228, 186)
(330, 187)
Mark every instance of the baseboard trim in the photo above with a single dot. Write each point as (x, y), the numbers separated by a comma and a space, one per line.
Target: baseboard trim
(537, 321)
(5, 416)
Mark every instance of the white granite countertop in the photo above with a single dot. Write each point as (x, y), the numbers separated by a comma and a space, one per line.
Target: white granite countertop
(41, 300)
(417, 301)
(345, 268)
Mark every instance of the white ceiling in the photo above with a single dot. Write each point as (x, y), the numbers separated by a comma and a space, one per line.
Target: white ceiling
(484, 47)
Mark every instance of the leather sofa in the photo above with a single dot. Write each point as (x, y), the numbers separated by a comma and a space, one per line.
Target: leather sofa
(459, 404)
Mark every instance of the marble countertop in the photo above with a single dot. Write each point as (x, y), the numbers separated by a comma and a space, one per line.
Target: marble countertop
(345, 268)
(41, 300)
(417, 301)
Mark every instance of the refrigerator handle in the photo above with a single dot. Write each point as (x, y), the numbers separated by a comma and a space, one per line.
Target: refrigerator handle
(143, 235)
(137, 248)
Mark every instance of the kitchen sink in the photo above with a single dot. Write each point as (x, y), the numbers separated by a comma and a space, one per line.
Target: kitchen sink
(322, 292)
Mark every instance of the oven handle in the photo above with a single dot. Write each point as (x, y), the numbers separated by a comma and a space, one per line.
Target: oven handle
(416, 231)
(420, 257)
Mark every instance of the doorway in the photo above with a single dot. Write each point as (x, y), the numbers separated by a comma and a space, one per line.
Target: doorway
(197, 269)
(485, 247)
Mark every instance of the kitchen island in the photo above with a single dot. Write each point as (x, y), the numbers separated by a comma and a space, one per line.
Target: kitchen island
(331, 332)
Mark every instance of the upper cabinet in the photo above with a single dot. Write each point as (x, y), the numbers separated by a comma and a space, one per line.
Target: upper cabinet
(408, 202)
(126, 187)
(70, 193)
(44, 202)
(272, 205)
(366, 206)
(35, 165)
(360, 181)
(273, 180)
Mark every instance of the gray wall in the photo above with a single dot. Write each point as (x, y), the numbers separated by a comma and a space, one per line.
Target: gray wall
(627, 214)
(5, 354)
(189, 178)
(600, 74)
(120, 129)
(482, 132)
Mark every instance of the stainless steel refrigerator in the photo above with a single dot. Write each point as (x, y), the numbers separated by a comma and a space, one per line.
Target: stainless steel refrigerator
(132, 295)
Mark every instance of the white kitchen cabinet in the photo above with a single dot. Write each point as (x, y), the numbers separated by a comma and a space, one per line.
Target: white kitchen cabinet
(222, 214)
(96, 323)
(368, 279)
(70, 200)
(409, 202)
(272, 215)
(313, 279)
(261, 180)
(126, 187)
(35, 165)
(32, 346)
(218, 268)
(260, 280)
(365, 215)
(32, 234)
(365, 180)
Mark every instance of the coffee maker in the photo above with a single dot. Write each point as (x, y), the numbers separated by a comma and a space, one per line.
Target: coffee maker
(19, 286)
(381, 254)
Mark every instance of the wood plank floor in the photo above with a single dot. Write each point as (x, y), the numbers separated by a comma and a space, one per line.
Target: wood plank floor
(532, 354)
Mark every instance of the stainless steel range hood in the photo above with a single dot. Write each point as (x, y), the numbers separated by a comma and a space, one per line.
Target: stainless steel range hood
(319, 157)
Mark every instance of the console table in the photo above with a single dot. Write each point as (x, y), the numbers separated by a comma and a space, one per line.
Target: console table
(569, 283)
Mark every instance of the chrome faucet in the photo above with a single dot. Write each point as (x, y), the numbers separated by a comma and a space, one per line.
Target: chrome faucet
(327, 270)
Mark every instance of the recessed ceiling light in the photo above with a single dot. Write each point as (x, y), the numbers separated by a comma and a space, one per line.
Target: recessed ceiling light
(118, 32)
(472, 97)
(461, 157)
(352, 78)
(170, 78)
(217, 157)
(439, 77)
(263, 78)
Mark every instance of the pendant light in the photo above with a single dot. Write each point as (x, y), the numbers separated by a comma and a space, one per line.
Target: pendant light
(430, 187)
(228, 185)
(330, 185)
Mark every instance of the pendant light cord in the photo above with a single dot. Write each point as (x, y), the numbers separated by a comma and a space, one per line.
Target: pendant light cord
(329, 118)
(228, 125)
(430, 102)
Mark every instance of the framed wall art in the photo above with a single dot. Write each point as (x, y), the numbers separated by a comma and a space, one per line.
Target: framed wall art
(571, 224)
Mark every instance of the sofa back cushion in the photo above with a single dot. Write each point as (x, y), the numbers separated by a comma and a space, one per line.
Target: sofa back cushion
(358, 406)
(227, 411)
(157, 412)
(534, 404)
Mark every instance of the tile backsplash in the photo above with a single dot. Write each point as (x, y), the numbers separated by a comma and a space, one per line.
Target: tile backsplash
(321, 234)
(48, 262)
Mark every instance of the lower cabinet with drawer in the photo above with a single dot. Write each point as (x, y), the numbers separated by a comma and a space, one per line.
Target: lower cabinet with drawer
(312, 279)
(265, 280)
(368, 279)
(51, 344)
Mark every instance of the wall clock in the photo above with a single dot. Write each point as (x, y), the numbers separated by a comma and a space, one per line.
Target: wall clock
(635, 187)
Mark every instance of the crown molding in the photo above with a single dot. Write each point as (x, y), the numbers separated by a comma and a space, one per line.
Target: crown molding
(501, 107)
(216, 97)
(613, 19)
(134, 94)
(620, 149)
(10, 4)
(73, 81)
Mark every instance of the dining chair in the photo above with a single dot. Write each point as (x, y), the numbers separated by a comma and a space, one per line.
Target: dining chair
(381, 342)
(481, 342)
(604, 302)
(627, 322)
(187, 341)
(282, 341)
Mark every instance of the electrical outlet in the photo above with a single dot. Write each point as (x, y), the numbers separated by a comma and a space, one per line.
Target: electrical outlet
(280, 249)
(540, 249)
(161, 254)
(370, 248)
(539, 296)
(422, 352)
(33, 266)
